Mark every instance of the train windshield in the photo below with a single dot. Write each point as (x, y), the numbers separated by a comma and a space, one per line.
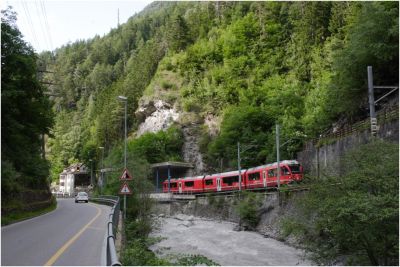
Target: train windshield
(295, 168)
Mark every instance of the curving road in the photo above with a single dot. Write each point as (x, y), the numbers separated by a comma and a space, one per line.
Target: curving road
(73, 234)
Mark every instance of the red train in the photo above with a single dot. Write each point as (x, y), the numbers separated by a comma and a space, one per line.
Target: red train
(258, 177)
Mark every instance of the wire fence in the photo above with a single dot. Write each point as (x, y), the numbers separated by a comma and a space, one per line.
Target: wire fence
(383, 116)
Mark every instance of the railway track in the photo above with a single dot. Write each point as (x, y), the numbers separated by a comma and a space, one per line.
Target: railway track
(264, 191)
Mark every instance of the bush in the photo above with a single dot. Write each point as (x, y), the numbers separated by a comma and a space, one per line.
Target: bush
(356, 214)
(137, 254)
(166, 85)
(247, 208)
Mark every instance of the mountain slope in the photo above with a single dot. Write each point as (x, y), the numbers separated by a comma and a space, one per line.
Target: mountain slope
(252, 64)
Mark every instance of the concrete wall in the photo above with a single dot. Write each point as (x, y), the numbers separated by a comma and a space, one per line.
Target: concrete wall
(325, 159)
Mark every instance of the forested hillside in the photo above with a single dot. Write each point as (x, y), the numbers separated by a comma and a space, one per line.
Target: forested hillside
(252, 64)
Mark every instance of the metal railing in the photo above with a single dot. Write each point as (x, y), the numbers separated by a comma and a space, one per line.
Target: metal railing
(62, 195)
(112, 225)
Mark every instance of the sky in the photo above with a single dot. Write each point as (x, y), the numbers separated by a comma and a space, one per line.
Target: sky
(49, 24)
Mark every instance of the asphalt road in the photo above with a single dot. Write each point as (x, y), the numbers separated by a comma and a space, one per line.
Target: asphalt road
(73, 234)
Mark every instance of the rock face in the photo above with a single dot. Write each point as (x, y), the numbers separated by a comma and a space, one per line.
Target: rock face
(212, 123)
(155, 116)
(191, 151)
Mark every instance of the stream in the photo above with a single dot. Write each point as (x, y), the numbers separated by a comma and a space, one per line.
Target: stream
(216, 240)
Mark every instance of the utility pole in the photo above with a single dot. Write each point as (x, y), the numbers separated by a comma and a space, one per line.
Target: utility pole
(125, 100)
(371, 99)
(91, 172)
(101, 170)
(278, 175)
(239, 168)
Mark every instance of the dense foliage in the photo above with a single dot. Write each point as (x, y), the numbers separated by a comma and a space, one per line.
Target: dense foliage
(25, 116)
(357, 213)
(301, 64)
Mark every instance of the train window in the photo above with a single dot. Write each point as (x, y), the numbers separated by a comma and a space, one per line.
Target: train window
(285, 171)
(209, 182)
(230, 180)
(254, 176)
(189, 184)
(173, 185)
(295, 168)
(272, 173)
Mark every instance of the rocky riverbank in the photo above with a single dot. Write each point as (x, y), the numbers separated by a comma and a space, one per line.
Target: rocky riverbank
(218, 241)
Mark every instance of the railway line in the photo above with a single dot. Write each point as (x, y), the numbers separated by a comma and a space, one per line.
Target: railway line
(264, 191)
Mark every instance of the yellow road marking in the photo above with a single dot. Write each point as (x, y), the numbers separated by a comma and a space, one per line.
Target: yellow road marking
(53, 259)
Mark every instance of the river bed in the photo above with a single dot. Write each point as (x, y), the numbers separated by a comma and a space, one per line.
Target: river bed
(216, 240)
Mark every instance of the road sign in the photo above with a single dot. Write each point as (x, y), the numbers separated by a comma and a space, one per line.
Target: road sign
(125, 190)
(126, 176)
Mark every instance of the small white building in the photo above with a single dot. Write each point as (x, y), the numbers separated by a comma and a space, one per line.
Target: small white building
(69, 176)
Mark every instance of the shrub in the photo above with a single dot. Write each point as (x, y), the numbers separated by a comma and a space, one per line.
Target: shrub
(247, 208)
(356, 214)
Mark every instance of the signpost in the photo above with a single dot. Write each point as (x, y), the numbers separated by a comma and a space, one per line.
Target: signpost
(125, 190)
(126, 176)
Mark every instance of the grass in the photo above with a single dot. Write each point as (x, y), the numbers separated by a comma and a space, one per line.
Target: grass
(24, 215)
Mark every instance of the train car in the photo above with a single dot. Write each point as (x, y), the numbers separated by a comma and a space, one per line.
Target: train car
(184, 185)
(210, 184)
(226, 181)
(191, 185)
(266, 176)
(173, 186)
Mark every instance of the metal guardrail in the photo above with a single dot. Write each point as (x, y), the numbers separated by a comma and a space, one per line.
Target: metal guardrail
(112, 225)
(62, 195)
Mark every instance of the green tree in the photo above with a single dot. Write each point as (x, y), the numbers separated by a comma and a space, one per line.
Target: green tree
(178, 33)
(372, 39)
(26, 114)
(248, 125)
(356, 214)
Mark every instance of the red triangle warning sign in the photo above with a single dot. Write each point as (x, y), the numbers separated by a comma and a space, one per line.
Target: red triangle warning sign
(126, 176)
(125, 190)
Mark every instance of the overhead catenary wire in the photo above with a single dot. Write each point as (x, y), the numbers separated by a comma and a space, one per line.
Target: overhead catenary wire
(29, 22)
(40, 16)
(40, 34)
(47, 24)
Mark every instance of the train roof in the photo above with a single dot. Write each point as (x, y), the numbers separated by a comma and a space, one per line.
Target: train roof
(193, 178)
(185, 178)
(283, 162)
(227, 173)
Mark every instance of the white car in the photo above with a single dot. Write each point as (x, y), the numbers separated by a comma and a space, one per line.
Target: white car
(82, 196)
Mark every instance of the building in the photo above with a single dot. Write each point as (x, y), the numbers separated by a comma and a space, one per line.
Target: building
(167, 170)
(74, 178)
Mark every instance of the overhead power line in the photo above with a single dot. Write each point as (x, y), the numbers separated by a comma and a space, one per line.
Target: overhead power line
(42, 26)
(29, 22)
(47, 24)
